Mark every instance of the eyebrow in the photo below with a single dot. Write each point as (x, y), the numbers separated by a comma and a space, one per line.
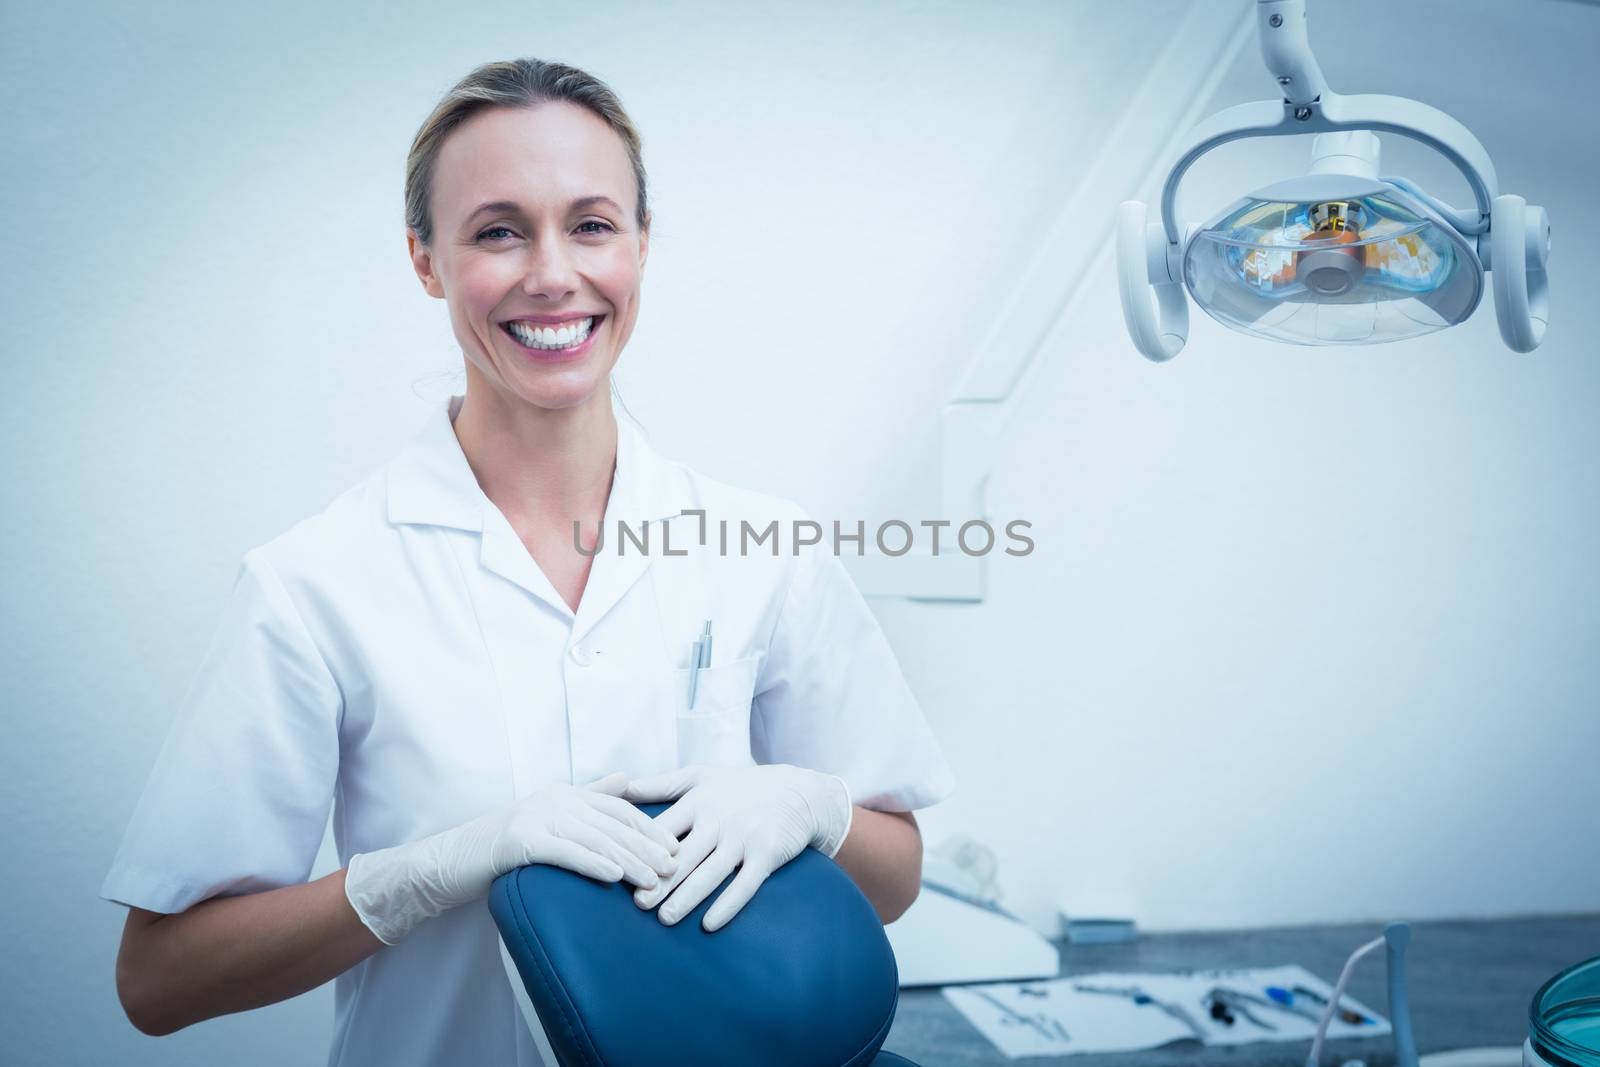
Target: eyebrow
(513, 208)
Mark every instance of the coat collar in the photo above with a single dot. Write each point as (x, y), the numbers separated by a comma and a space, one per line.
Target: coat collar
(430, 482)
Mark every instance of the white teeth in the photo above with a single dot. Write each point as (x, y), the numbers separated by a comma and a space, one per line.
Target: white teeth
(566, 336)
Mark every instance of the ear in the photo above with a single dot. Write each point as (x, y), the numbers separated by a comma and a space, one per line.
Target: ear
(644, 242)
(422, 263)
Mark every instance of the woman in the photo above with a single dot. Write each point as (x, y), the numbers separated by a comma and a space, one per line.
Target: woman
(440, 655)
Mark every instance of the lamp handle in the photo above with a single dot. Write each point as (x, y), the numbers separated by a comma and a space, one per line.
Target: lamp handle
(1159, 330)
(1519, 246)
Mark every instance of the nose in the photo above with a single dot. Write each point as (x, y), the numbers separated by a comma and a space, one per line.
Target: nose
(550, 270)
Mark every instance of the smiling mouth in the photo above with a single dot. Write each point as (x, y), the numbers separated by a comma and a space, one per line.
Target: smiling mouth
(568, 335)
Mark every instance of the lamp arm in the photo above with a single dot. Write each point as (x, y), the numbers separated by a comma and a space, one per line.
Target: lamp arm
(1419, 122)
(1382, 114)
(1286, 50)
(1263, 118)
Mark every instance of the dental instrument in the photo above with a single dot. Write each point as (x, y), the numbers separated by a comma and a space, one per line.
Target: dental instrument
(1355, 1018)
(1338, 255)
(1017, 1018)
(1288, 1008)
(1395, 938)
(1225, 1004)
(699, 656)
(1139, 996)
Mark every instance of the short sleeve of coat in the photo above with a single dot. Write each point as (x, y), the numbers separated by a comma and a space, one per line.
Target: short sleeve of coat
(831, 697)
(239, 796)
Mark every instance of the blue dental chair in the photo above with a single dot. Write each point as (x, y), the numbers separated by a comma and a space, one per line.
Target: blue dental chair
(803, 976)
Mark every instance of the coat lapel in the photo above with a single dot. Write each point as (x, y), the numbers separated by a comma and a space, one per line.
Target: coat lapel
(642, 494)
(431, 483)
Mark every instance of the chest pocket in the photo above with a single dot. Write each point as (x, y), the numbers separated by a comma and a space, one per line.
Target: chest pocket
(716, 731)
(736, 595)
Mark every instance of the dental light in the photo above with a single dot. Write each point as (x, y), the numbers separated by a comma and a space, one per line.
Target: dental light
(1338, 255)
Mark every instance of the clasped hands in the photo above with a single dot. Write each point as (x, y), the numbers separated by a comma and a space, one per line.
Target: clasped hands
(753, 818)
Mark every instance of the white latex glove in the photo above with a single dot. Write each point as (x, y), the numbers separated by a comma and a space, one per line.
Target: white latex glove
(589, 829)
(754, 818)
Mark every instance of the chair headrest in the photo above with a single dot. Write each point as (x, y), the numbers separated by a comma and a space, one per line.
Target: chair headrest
(803, 976)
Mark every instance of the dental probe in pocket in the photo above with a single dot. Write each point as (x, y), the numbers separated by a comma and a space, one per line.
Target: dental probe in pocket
(699, 656)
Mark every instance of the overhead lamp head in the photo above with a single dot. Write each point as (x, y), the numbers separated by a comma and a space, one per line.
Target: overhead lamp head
(1332, 259)
(1338, 256)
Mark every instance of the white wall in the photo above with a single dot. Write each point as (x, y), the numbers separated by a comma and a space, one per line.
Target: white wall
(1308, 634)
(1311, 632)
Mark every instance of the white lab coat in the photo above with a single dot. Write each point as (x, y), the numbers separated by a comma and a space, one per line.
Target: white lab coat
(401, 659)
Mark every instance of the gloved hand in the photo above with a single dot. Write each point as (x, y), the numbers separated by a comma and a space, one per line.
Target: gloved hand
(588, 829)
(754, 818)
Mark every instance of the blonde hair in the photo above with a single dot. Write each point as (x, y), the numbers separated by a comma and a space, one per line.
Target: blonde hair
(512, 83)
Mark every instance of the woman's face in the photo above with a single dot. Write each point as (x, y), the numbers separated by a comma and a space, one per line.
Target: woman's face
(535, 249)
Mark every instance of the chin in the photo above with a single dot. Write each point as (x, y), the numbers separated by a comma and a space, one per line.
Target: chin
(544, 387)
(555, 396)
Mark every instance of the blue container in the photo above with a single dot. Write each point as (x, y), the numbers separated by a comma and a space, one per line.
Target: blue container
(1564, 1019)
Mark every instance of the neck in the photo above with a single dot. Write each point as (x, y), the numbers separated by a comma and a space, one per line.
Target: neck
(545, 465)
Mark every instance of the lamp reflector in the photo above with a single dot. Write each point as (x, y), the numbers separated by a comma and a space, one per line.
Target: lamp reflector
(1359, 269)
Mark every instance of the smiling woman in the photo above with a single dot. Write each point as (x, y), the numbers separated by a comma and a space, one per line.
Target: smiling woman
(439, 660)
(534, 217)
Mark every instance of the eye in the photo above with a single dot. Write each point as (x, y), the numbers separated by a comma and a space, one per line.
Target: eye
(493, 229)
(605, 227)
